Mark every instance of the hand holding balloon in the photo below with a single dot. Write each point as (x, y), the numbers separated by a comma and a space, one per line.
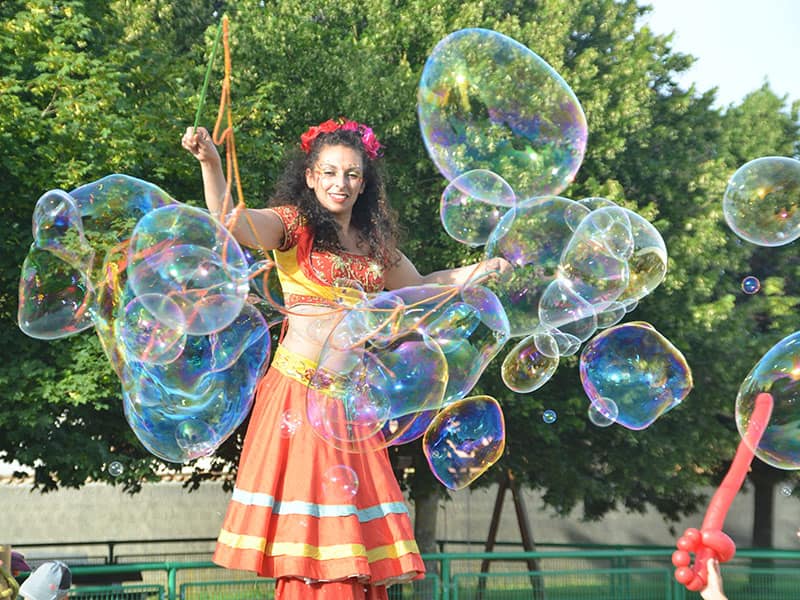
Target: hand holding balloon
(707, 545)
(711, 542)
(713, 591)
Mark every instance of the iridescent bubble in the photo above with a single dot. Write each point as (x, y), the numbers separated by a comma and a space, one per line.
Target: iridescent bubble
(194, 388)
(762, 201)
(636, 368)
(115, 468)
(647, 265)
(408, 427)
(473, 204)
(533, 244)
(751, 285)
(485, 101)
(55, 298)
(182, 253)
(227, 345)
(549, 416)
(57, 228)
(562, 308)
(356, 391)
(180, 403)
(468, 324)
(464, 440)
(778, 373)
(195, 437)
(107, 202)
(525, 368)
(340, 484)
(603, 412)
(145, 337)
(595, 261)
(291, 421)
(546, 342)
(612, 315)
(566, 343)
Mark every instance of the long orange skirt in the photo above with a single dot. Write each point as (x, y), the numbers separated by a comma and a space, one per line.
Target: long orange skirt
(287, 519)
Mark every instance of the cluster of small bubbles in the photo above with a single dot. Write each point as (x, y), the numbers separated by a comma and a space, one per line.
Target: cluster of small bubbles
(762, 201)
(340, 483)
(635, 368)
(786, 490)
(464, 440)
(751, 285)
(396, 359)
(577, 266)
(165, 287)
(777, 373)
(115, 468)
(549, 416)
(574, 270)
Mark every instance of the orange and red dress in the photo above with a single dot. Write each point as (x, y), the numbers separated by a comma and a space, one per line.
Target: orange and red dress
(285, 520)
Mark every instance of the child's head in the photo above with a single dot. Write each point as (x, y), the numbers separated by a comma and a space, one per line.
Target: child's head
(50, 581)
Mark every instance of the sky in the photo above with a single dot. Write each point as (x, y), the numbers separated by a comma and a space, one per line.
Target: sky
(738, 43)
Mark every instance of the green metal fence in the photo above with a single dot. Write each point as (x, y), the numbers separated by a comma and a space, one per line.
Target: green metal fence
(118, 592)
(629, 574)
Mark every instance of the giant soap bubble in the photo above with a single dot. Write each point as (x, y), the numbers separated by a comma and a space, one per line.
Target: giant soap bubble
(485, 101)
(777, 373)
(464, 440)
(762, 201)
(638, 370)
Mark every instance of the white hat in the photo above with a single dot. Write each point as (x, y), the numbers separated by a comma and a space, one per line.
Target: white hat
(50, 581)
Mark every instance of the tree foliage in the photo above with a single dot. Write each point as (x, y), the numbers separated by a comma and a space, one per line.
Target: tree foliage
(90, 88)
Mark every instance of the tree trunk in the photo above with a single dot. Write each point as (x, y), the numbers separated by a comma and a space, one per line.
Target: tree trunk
(764, 478)
(425, 511)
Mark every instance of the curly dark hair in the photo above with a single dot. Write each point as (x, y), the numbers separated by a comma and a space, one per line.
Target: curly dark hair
(372, 216)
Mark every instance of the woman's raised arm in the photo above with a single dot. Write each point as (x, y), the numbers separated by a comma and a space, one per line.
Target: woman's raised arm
(255, 228)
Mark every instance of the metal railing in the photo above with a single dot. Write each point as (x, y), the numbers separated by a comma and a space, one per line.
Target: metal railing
(607, 574)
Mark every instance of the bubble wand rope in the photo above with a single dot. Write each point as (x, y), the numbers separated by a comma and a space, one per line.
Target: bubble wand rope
(225, 136)
(711, 541)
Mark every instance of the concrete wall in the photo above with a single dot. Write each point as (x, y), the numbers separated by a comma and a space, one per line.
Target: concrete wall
(100, 512)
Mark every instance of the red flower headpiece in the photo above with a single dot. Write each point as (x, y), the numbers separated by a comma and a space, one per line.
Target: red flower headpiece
(371, 144)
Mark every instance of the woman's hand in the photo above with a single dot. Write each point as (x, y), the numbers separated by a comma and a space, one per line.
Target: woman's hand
(199, 143)
(497, 268)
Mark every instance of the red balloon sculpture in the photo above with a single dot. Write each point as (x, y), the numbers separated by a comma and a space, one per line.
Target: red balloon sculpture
(711, 541)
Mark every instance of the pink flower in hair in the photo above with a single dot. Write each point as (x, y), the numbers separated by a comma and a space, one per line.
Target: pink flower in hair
(368, 138)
